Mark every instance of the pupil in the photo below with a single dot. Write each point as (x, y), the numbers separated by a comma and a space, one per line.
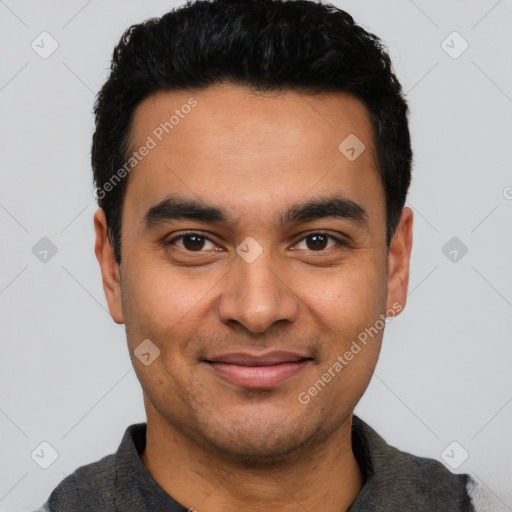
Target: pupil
(319, 238)
(197, 244)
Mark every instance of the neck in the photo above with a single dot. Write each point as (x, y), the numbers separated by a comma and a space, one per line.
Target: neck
(323, 476)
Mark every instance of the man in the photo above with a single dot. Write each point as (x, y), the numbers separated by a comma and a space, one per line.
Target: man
(252, 160)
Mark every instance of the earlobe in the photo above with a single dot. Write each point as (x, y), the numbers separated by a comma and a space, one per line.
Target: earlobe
(109, 268)
(398, 260)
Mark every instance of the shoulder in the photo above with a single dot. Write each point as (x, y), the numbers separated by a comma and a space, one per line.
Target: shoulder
(90, 487)
(98, 485)
(397, 480)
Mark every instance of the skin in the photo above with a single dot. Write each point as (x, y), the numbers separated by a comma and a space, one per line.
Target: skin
(212, 445)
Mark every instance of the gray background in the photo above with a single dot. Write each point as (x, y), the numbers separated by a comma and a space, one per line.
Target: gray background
(445, 370)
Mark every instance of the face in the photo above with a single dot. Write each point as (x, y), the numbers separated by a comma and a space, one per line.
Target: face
(251, 296)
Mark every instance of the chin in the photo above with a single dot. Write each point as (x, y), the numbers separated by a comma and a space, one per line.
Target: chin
(259, 443)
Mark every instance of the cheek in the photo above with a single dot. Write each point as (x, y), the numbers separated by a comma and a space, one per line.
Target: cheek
(165, 306)
(159, 307)
(348, 299)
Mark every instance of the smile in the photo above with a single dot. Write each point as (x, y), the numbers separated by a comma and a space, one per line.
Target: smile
(258, 376)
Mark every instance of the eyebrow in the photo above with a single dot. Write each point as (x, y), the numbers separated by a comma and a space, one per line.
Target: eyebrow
(176, 207)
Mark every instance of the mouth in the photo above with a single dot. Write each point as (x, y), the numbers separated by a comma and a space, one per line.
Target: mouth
(258, 372)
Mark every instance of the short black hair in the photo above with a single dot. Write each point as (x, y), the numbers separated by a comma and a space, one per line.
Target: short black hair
(268, 45)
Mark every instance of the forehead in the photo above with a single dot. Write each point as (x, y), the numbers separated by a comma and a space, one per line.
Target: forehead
(251, 151)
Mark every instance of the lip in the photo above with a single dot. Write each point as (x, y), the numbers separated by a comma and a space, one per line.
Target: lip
(268, 359)
(258, 371)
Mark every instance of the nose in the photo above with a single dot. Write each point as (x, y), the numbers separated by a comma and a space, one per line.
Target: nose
(257, 294)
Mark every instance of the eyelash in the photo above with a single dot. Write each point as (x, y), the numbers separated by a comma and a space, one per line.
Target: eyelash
(339, 241)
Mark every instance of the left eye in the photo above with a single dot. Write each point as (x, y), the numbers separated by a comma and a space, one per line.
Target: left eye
(194, 242)
(319, 241)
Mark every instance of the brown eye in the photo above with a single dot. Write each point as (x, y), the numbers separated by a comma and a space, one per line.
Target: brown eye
(191, 242)
(319, 242)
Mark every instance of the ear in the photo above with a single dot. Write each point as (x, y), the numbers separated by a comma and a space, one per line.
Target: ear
(109, 267)
(398, 260)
